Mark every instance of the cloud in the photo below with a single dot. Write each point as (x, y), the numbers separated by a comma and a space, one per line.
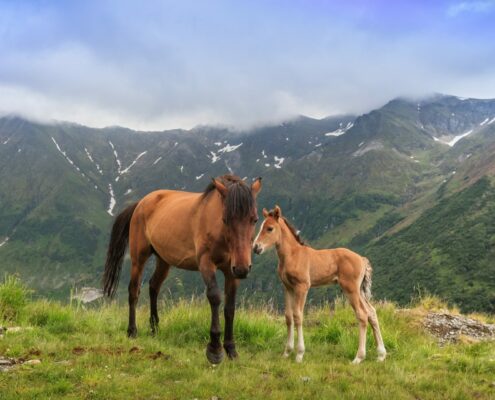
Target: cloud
(165, 64)
(471, 7)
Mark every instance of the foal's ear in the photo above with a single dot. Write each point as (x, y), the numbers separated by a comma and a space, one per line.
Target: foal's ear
(256, 186)
(277, 213)
(265, 213)
(220, 187)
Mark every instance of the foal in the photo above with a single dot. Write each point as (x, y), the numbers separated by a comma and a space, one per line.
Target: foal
(301, 267)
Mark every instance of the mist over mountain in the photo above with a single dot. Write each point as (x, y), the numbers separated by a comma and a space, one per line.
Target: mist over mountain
(410, 185)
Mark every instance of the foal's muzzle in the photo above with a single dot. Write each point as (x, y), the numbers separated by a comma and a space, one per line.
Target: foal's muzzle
(241, 272)
(257, 248)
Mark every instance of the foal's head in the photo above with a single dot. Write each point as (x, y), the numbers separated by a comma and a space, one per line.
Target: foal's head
(239, 219)
(270, 233)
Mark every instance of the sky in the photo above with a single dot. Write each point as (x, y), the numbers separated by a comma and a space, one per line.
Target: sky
(154, 65)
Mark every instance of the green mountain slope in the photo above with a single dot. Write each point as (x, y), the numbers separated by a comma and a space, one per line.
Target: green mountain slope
(344, 181)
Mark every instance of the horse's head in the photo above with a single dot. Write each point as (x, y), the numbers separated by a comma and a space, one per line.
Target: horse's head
(270, 233)
(239, 218)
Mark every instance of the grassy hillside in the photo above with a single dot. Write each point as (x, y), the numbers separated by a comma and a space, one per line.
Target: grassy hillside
(85, 354)
(449, 250)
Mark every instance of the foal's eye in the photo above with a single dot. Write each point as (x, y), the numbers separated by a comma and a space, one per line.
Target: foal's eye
(269, 229)
(255, 220)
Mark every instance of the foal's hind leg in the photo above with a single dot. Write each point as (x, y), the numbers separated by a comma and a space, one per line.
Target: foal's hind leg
(361, 311)
(373, 320)
(156, 281)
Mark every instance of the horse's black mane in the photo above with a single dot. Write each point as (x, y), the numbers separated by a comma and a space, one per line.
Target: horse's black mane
(239, 202)
(291, 227)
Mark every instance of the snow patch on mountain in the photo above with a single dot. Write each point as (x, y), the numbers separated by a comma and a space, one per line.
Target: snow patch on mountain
(278, 161)
(484, 121)
(489, 122)
(156, 161)
(4, 241)
(119, 164)
(341, 130)
(459, 137)
(6, 141)
(214, 157)
(93, 161)
(229, 148)
(126, 170)
(66, 158)
(113, 202)
(374, 145)
(199, 177)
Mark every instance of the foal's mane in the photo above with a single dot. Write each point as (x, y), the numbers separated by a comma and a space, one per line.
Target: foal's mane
(291, 227)
(239, 202)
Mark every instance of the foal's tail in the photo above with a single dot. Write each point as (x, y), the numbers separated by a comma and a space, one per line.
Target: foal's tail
(116, 250)
(366, 283)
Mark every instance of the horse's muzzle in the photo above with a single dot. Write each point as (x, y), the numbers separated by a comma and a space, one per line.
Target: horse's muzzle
(257, 248)
(241, 272)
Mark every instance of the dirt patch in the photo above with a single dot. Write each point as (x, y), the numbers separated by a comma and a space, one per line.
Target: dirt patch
(158, 355)
(7, 363)
(450, 328)
(78, 350)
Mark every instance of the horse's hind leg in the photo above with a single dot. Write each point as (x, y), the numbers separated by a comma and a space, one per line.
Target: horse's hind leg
(373, 320)
(361, 311)
(140, 252)
(156, 281)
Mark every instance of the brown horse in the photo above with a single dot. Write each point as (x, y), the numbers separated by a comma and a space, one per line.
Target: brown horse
(193, 231)
(301, 267)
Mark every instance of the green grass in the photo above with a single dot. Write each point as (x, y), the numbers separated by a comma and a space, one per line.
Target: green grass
(85, 354)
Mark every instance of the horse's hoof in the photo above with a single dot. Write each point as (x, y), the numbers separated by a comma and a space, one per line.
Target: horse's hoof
(381, 357)
(214, 356)
(231, 351)
(357, 360)
(131, 333)
(299, 358)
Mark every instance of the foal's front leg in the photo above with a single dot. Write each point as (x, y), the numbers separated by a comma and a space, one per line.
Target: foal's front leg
(289, 320)
(298, 302)
(214, 352)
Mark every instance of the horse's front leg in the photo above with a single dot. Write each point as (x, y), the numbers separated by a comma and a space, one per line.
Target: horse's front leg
(298, 301)
(289, 320)
(214, 352)
(231, 285)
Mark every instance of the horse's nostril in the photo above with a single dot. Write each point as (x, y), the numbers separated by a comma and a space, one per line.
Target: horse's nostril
(250, 268)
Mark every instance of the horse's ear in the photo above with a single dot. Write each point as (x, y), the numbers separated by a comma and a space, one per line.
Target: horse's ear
(256, 186)
(277, 213)
(220, 187)
(265, 213)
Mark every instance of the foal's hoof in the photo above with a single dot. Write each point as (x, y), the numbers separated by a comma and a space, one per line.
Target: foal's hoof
(214, 356)
(357, 360)
(231, 351)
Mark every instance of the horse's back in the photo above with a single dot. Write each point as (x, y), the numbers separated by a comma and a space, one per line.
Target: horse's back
(166, 219)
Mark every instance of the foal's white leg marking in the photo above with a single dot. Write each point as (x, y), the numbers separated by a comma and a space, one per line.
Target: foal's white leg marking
(300, 343)
(289, 320)
(373, 318)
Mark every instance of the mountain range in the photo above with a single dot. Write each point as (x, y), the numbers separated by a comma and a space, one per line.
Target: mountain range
(410, 185)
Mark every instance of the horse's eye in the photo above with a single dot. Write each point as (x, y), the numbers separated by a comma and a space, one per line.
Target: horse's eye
(269, 229)
(255, 220)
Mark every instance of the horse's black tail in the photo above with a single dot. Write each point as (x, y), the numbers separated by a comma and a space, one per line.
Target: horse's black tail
(116, 250)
